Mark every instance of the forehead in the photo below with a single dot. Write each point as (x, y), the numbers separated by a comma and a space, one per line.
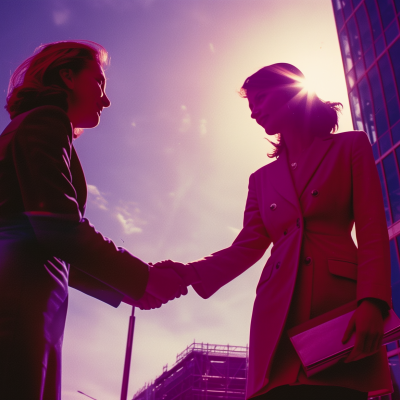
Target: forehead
(94, 68)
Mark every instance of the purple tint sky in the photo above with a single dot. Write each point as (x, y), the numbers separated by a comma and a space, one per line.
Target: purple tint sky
(168, 166)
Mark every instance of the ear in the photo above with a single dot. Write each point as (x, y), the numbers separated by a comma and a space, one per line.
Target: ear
(67, 76)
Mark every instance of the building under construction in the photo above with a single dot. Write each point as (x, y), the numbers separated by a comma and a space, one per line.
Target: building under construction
(202, 372)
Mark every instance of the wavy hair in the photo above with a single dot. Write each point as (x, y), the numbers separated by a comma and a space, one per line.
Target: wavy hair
(37, 82)
(319, 115)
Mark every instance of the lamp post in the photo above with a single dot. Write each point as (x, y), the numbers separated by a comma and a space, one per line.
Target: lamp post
(128, 356)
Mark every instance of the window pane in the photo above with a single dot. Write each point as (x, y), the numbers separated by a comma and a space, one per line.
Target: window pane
(366, 109)
(385, 200)
(374, 18)
(387, 11)
(337, 9)
(346, 54)
(381, 121)
(347, 9)
(356, 113)
(384, 143)
(391, 32)
(396, 133)
(397, 4)
(369, 57)
(394, 261)
(393, 185)
(394, 52)
(389, 87)
(395, 372)
(354, 39)
(364, 27)
(375, 150)
(356, 3)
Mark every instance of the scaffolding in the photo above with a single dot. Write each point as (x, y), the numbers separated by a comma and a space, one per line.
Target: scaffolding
(202, 371)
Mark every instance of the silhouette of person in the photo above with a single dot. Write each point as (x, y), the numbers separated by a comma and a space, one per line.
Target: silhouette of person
(45, 242)
(305, 203)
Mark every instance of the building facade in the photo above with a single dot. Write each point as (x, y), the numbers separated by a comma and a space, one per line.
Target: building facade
(201, 372)
(369, 37)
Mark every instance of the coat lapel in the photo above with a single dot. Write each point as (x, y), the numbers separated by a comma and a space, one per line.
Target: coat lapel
(315, 155)
(282, 181)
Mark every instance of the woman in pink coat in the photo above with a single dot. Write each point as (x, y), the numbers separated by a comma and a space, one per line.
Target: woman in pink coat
(306, 203)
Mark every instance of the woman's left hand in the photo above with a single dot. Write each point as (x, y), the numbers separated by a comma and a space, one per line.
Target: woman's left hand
(367, 323)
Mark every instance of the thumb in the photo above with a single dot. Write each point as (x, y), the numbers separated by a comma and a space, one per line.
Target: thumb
(351, 327)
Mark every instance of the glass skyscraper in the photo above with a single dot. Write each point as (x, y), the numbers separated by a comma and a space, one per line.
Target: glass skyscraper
(369, 37)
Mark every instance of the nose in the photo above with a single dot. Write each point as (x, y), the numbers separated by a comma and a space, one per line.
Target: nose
(105, 101)
(254, 112)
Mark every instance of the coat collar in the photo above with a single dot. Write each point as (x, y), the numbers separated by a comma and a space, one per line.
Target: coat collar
(281, 177)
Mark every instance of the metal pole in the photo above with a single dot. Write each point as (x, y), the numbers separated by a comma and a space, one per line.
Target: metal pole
(128, 356)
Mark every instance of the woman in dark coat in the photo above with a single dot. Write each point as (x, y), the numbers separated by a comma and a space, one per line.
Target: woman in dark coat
(305, 203)
(45, 243)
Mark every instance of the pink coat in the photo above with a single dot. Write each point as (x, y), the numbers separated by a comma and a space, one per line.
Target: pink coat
(314, 265)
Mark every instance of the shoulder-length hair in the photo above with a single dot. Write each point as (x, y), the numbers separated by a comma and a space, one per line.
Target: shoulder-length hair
(37, 82)
(318, 115)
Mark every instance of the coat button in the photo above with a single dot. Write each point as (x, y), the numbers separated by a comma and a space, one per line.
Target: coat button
(278, 264)
(315, 192)
(285, 232)
(307, 260)
(298, 222)
(293, 165)
(272, 207)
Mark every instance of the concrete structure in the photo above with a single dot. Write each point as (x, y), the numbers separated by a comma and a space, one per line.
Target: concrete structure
(369, 36)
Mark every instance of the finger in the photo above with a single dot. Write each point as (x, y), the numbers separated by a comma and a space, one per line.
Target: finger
(351, 327)
(358, 348)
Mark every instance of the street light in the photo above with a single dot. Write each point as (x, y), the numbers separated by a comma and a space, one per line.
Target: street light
(90, 397)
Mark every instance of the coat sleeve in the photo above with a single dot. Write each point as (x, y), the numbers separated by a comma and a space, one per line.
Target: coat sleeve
(42, 153)
(373, 254)
(221, 267)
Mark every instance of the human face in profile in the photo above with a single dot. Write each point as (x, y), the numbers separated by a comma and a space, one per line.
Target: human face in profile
(87, 95)
(269, 107)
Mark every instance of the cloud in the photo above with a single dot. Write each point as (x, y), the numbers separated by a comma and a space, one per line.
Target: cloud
(128, 215)
(61, 16)
(203, 127)
(185, 121)
(96, 198)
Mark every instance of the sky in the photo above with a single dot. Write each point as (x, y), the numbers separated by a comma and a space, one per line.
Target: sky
(168, 166)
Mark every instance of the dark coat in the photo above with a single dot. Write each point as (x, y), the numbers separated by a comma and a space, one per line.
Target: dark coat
(46, 244)
(314, 265)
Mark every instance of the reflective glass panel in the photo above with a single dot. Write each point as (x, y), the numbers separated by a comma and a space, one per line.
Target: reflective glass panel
(387, 11)
(375, 150)
(396, 133)
(366, 109)
(364, 28)
(393, 110)
(395, 372)
(337, 9)
(391, 32)
(351, 79)
(391, 346)
(360, 69)
(394, 52)
(354, 39)
(369, 57)
(380, 45)
(346, 54)
(385, 143)
(347, 9)
(385, 199)
(393, 185)
(385, 69)
(356, 3)
(379, 104)
(374, 18)
(397, 4)
(394, 261)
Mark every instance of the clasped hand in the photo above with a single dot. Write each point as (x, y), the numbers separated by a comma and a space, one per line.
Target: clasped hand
(168, 280)
(367, 323)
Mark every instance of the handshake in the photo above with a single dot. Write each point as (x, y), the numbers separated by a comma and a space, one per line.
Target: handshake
(168, 280)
